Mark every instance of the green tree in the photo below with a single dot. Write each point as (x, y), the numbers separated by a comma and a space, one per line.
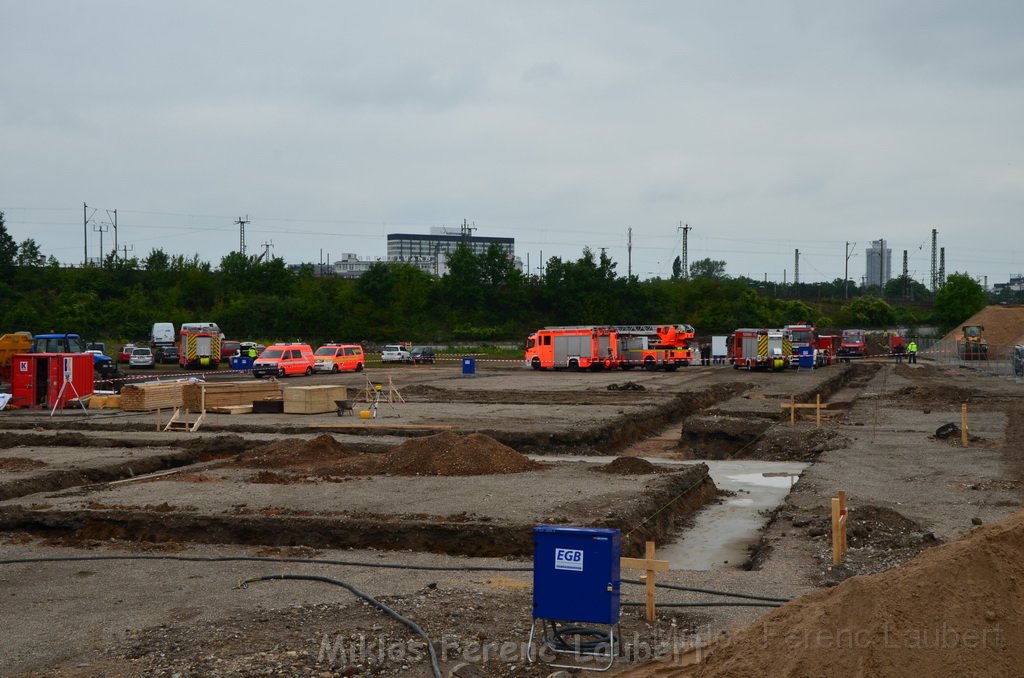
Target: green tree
(959, 298)
(708, 268)
(677, 268)
(8, 248)
(867, 312)
(29, 254)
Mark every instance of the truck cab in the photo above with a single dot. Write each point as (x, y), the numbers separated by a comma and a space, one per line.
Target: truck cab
(104, 366)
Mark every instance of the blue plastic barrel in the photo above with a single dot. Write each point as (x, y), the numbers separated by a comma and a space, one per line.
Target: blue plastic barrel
(469, 366)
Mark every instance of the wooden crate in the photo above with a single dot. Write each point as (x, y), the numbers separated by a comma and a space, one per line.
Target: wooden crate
(152, 396)
(228, 393)
(313, 399)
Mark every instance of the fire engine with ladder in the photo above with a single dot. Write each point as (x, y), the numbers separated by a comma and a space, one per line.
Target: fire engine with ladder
(606, 347)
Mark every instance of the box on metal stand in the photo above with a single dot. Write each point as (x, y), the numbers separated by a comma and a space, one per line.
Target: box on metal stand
(576, 581)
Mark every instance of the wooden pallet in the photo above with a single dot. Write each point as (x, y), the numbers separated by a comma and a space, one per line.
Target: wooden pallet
(225, 394)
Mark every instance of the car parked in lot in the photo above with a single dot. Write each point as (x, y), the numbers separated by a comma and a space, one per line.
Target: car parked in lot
(141, 357)
(229, 348)
(422, 354)
(339, 358)
(394, 353)
(283, 359)
(167, 354)
(125, 354)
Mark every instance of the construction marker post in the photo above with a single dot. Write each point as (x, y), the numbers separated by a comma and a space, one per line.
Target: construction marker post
(839, 515)
(650, 566)
(793, 406)
(575, 580)
(965, 438)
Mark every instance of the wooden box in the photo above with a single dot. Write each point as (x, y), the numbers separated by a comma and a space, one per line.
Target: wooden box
(313, 399)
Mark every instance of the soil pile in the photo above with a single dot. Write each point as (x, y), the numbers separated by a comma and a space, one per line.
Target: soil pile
(294, 453)
(451, 454)
(1004, 325)
(629, 466)
(20, 464)
(955, 610)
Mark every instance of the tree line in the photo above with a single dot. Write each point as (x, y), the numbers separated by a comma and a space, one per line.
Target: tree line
(482, 297)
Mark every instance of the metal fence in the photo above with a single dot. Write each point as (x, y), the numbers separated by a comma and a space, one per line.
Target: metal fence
(999, 360)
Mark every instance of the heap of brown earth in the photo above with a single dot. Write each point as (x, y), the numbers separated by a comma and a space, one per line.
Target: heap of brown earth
(955, 610)
(1004, 325)
(452, 454)
(444, 454)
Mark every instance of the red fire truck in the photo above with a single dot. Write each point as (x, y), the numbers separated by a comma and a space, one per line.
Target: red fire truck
(200, 346)
(655, 347)
(804, 334)
(852, 345)
(575, 348)
(756, 349)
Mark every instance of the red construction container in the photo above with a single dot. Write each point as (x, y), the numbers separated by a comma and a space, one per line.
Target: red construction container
(50, 379)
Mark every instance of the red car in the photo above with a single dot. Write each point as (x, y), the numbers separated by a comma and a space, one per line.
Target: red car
(229, 349)
(125, 354)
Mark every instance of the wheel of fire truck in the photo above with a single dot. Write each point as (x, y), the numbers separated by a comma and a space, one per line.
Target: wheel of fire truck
(574, 365)
(359, 367)
(334, 368)
(607, 363)
(535, 363)
(280, 372)
(649, 364)
(309, 371)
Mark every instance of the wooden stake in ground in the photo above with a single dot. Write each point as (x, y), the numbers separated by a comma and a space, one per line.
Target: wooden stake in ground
(839, 528)
(964, 437)
(650, 566)
(793, 406)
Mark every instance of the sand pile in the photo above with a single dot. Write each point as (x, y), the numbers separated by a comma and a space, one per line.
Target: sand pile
(294, 453)
(1004, 325)
(955, 610)
(629, 466)
(451, 454)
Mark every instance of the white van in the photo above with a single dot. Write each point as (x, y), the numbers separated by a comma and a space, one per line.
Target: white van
(163, 334)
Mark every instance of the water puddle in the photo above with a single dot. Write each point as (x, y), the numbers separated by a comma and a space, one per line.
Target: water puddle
(722, 532)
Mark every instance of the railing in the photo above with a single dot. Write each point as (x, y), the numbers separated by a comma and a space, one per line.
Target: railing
(998, 360)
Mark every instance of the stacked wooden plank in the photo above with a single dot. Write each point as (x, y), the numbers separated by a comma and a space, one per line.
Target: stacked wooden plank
(152, 396)
(313, 399)
(230, 393)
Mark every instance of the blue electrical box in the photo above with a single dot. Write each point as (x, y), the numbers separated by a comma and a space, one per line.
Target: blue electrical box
(576, 574)
(806, 357)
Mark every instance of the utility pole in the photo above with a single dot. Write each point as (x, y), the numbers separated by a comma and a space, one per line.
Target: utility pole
(629, 252)
(935, 267)
(266, 253)
(846, 274)
(241, 232)
(684, 259)
(796, 268)
(906, 286)
(126, 249)
(942, 266)
(467, 231)
(115, 228)
(101, 229)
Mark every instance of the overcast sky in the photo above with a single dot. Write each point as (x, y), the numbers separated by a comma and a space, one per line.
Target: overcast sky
(765, 126)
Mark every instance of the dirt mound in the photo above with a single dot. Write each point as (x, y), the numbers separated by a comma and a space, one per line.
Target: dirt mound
(785, 443)
(451, 454)
(217, 446)
(629, 466)
(1004, 325)
(955, 610)
(20, 464)
(294, 453)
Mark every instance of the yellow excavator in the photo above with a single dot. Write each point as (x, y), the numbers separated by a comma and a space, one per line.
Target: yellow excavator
(973, 345)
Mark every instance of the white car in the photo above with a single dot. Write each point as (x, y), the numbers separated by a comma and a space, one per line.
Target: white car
(142, 357)
(394, 353)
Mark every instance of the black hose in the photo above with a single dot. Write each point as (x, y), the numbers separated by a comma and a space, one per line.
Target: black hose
(722, 603)
(353, 563)
(555, 638)
(368, 598)
(712, 592)
(263, 559)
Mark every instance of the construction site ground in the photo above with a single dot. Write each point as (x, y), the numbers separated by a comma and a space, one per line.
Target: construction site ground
(166, 524)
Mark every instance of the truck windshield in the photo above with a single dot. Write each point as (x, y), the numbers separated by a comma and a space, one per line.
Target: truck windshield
(801, 336)
(972, 332)
(272, 353)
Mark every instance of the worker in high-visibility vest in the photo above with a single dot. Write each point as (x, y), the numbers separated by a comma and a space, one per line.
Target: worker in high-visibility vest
(912, 352)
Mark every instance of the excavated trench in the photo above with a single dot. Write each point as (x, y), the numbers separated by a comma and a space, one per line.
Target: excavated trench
(760, 435)
(640, 518)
